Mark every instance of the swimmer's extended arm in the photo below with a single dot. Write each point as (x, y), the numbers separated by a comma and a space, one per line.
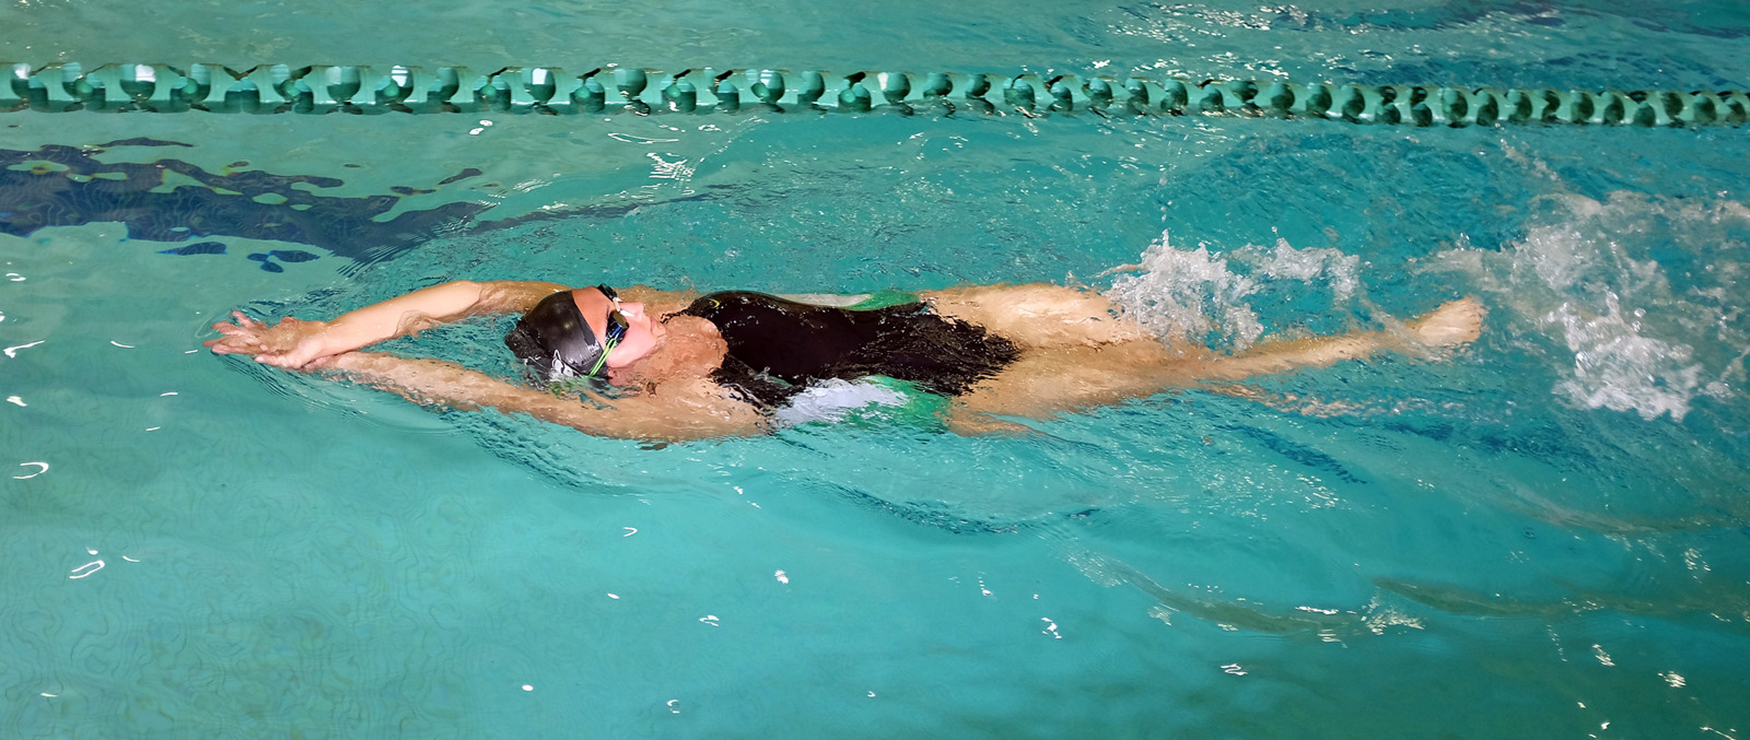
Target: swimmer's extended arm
(294, 343)
(682, 411)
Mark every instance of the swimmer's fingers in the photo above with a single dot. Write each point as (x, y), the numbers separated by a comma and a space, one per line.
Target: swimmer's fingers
(242, 336)
(232, 342)
(237, 339)
(303, 357)
(229, 329)
(276, 360)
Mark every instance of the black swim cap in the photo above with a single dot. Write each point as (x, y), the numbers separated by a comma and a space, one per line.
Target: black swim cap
(554, 339)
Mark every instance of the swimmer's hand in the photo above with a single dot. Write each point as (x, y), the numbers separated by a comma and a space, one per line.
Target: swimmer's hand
(292, 344)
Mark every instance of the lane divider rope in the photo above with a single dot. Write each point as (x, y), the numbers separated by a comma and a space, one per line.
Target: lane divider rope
(323, 89)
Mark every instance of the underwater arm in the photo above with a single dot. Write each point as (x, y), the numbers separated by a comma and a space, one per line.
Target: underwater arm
(1450, 325)
(680, 412)
(294, 343)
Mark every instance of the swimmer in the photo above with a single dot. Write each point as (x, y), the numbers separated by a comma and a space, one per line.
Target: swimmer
(691, 367)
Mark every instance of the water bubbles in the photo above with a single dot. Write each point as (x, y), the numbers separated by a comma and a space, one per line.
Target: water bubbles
(1188, 297)
(1618, 369)
(1598, 277)
(1195, 297)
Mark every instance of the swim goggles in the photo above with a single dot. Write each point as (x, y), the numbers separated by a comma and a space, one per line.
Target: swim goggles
(617, 327)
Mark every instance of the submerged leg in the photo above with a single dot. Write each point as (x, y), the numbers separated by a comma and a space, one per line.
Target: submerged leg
(1044, 382)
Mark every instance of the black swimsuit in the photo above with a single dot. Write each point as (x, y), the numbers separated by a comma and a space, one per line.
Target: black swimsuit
(777, 346)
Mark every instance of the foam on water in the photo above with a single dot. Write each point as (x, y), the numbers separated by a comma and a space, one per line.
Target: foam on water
(1192, 297)
(1595, 279)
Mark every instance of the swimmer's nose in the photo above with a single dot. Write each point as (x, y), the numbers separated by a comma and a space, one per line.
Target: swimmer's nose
(632, 309)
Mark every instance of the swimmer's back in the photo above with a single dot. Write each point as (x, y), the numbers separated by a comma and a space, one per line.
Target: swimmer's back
(777, 346)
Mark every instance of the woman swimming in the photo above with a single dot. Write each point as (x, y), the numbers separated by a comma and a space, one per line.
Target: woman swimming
(720, 364)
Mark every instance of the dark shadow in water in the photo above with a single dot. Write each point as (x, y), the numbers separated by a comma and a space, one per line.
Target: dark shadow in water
(1296, 452)
(1688, 595)
(68, 186)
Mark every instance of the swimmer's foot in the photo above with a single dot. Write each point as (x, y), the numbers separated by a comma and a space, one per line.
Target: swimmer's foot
(1450, 325)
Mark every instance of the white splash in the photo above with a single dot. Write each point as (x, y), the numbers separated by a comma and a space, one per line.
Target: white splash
(1618, 369)
(1195, 298)
(1589, 275)
(1184, 297)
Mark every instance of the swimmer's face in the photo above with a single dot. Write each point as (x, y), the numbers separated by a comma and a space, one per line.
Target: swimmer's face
(641, 331)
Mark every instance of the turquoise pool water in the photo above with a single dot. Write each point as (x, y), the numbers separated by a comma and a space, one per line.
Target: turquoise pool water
(1545, 534)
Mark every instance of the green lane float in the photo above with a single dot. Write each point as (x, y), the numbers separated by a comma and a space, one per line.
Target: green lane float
(612, 90)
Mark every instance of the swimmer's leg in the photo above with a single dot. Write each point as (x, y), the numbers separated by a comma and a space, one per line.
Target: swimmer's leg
(1452, 324)
(1038, 315)
(1045, 382)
